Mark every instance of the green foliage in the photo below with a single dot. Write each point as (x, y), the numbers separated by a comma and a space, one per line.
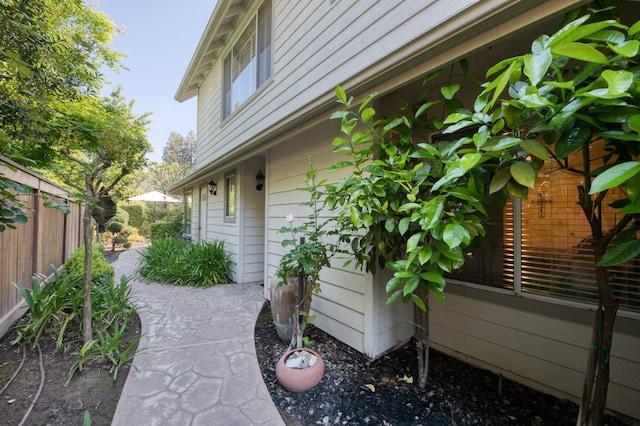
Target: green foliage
(161, 230)
(171, 229)
(51, 307)
(409, 204)
(138, 213)
(121, 216)
(110, 347)
(114, 227)
(100, 268)
(311, 251)
(96, 142)
(413, 205)
(55, 311)
(181, 151)
(575, 94)
(51, 50)
(12, 208)
(307, 254)
(164, 175)
(577, 89)
(175, 261)
(56, 307)
(118, 229)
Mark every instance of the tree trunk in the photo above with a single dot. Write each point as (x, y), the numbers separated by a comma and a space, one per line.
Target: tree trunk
(596, 383)
(86, 287)
(422, 338)
(301, 313)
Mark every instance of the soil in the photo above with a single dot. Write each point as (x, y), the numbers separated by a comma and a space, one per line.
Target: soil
(93, 389)
(357, 391)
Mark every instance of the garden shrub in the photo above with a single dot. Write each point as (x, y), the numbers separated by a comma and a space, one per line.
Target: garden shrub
(172, 260)
(99, 266)
(172, 228)
(161, 230)
(138, 214)
(56, 310)
(121, 216)
(52, 306)
(119, 232)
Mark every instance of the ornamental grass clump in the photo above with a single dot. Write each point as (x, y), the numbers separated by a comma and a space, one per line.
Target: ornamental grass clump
(170, 260)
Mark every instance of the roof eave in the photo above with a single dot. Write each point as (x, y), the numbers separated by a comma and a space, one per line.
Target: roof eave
(208, 48)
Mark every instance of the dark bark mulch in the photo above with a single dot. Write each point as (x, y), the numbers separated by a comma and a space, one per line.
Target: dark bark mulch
(357, 391)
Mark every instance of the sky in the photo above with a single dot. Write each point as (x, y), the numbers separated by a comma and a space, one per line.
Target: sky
(161, 37)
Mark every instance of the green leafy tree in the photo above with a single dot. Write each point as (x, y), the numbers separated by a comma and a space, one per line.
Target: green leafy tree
(98, 142)
(396, 206)
(575, 94)
(50, 51)
(180, 149)
(162, 176)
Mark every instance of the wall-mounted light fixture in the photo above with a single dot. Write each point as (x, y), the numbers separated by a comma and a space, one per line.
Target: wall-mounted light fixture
(260, 180)
(213, 187)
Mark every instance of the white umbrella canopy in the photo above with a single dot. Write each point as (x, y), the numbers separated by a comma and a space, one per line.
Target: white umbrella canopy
(154, 197)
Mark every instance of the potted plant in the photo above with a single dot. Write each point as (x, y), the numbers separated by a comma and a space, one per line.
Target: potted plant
(295, 282)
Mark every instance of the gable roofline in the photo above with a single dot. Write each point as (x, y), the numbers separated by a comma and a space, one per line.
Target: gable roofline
(213, 40)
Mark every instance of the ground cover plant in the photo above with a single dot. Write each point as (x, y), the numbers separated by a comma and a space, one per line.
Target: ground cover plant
(171, 260)
(56, 309)
(53, 326)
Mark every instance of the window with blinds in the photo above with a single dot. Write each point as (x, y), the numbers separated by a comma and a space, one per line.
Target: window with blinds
(557, 258)
(248, 64)
(542, 246)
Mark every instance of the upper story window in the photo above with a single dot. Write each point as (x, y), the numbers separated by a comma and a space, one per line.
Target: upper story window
(248, 66)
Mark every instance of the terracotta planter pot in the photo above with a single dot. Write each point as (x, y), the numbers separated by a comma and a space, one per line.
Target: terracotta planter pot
(299, 379)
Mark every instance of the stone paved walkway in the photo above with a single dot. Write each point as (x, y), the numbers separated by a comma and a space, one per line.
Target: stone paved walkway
(198, 365)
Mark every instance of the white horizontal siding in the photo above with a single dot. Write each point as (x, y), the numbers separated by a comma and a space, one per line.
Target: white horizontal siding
(313, 52)
(544, 346)
(339, 307)
(252, 226)
(209, 116)
(311, 55)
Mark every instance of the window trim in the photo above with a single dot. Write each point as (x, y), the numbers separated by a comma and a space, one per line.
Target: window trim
(228, 110)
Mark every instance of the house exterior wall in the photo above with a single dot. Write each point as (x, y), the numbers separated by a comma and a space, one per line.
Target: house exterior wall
(252, 219)
(339, 308)
(535, 342)
(540, 342)
(382, 46)
(309, 60)
(348, 306)
(209, 116)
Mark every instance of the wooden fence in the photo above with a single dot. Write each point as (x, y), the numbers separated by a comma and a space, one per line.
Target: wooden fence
(48, 238)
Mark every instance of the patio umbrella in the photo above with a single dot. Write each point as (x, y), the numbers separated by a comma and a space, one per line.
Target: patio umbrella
(154, 197)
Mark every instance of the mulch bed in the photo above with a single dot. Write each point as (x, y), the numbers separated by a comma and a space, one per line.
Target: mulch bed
(357, 391)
